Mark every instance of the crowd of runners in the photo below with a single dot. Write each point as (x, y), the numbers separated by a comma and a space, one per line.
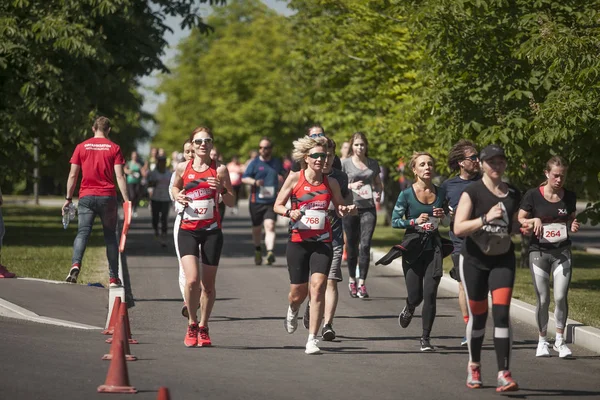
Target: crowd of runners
(331, 207)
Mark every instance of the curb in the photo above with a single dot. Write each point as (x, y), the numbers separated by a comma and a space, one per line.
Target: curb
(11, 310)
(576, 332)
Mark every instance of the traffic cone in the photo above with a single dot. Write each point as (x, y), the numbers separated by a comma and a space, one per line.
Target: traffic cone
(163, 393)
(123, 312)
(113, 317)
(117, 379)
(120, 335)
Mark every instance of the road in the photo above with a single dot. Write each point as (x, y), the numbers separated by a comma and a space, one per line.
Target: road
(254, 358)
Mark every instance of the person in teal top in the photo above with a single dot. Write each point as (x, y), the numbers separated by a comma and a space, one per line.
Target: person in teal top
(420, 210)
(133, 169)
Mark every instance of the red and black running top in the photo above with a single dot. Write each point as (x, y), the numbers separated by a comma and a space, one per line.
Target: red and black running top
(313, 201)
(202, 212)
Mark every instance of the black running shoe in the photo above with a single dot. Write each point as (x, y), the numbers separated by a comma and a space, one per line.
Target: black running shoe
(306, 318)
(73, 274)
(328, 333)
(405, 317)
(426, 345)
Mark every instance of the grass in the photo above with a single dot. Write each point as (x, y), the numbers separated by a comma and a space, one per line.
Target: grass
(37, 246)
(584, 291)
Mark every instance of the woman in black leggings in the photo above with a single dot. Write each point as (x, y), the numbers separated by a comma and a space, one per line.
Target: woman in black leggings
(485, 216)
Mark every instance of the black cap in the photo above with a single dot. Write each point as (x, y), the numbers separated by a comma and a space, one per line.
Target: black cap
(490, 151)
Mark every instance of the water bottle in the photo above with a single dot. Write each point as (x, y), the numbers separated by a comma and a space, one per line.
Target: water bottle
(68, 215)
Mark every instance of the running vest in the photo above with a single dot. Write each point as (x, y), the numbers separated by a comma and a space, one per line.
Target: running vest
(202, 212)
(313, 201)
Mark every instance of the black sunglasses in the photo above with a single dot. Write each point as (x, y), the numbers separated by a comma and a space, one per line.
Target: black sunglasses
(316, 156)
(199, 141)
(474, 157)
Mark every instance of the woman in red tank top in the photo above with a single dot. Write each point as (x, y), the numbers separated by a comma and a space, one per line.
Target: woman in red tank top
(309, 252)
(197, 186)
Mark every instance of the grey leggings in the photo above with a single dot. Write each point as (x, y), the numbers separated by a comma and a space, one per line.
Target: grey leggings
(542, 264)
(359, 232)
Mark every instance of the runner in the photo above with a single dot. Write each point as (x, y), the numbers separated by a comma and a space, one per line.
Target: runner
(197, 186)
(551, 210)
(236, 170)
(99, 161)
(366, 186)
(309, 251)
(160, 202)
(419, 210)
(264, 174)
(188, 154)
(133, 169)
(335, 273)
(485, 217)
(345, 150)
(463, 157)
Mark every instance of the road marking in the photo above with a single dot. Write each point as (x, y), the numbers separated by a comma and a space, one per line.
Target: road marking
(10, 310)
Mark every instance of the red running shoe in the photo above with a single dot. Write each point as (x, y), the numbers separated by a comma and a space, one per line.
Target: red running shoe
(203, 338)
(352, 288)
(191, 336)
(4, 273)
(474, 377)
(115, 282)
(506, 383)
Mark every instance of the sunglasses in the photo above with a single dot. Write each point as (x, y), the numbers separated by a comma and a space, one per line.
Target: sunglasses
(316, 156)
(474, 157)
(199, 141)
(265, 147)
(315, 135)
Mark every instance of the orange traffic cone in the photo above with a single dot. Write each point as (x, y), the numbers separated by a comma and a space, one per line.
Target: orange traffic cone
(113, 317)
(123, 312)
(120, 335)
(117, 379)
(163, 393)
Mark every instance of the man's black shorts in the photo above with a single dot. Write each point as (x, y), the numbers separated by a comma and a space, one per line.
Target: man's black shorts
(259, 212)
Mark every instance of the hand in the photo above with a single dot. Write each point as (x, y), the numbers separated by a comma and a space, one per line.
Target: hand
(377, 197)
(259, 182)
(537, 227)
(526, 228)
(356, 185)
(575, 225)
(64, 207)
(494, 213)
(295, 215)
(215, 184)
(438, 212)
(422, 219)
(182, 198)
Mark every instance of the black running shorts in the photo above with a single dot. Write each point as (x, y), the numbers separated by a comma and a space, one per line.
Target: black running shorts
(307, 258)
(260, 212)
(211, 243)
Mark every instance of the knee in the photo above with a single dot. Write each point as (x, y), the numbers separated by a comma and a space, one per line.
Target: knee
(364, 248)
(559, 298)
(297, 296)
(192, 281)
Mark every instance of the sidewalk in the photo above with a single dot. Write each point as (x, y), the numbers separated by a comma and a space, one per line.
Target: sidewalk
(576, 332)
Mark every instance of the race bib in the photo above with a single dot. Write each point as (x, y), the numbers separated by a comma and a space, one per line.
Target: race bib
(365, 192)
(198, 210)
(554, 233)
(430, 225)
(266, 192)
(312, 220)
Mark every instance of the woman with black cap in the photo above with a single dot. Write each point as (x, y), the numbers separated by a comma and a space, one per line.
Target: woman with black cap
(485, 217)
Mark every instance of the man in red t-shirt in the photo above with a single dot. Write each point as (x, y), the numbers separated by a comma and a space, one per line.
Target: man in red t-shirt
(99, 160)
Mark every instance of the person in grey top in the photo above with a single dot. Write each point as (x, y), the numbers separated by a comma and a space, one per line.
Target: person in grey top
(366, 187)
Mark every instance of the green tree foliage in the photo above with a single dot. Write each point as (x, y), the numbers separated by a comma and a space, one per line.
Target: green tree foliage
(63, 62)
(232, 81)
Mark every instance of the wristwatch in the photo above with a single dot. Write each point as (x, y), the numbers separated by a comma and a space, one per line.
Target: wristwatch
(68, 198)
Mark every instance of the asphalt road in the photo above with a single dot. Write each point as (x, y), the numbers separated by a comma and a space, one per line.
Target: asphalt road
(254, 358)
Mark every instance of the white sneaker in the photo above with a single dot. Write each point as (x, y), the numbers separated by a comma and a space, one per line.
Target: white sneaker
(291, 320)
(311, 347)
(542, 349)
(562, 349)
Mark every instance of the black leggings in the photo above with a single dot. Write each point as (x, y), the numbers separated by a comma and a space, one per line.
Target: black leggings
(499, 279)
(359, 232)
(422, 286)
(160, 208)
(133, 191)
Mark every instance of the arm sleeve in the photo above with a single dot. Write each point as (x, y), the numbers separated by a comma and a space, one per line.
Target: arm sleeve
(399, 212)
(76, 158)
(119, 160)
